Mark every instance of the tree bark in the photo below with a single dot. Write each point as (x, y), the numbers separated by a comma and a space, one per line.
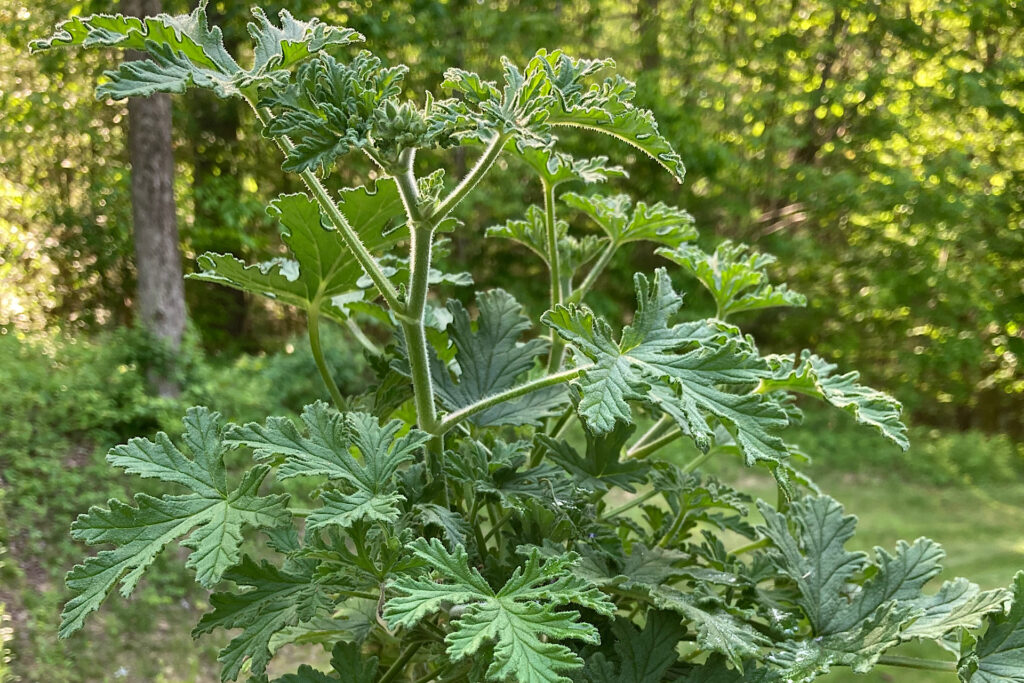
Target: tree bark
(161, 292)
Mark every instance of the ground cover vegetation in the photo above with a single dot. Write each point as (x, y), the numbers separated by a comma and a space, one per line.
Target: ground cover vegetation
(455, 532)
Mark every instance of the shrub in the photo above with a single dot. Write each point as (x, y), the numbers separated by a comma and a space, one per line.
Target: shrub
(455, 534)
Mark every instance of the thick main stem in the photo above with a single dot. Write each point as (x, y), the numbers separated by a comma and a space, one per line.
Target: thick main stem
(555, 267)
(915, 663)
(415, 335)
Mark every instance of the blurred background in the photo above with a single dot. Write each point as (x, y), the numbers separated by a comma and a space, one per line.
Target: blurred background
(874, 146)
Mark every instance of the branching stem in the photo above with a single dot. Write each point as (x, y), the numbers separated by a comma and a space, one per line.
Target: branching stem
(915, 663)
(645, 450)
(594, 272)
(483, 164)
(452, 419)
(555, 268)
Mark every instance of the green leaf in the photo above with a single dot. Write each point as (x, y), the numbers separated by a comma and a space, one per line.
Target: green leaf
(601, 467)
(333, 107)
(816, 377)
(320, 273)
(275, 599)
(624, 223)
(717, 631)
(642, 656)
(573, 252)
(736, 277)
(520, 618)
(858, 648)
(185, 51)
(607, 108)
(815, 558)
(211, 517)
(557, 168)
(958, 604)
(490, 359)
(372, 491)
(685, 370)
(998, 655)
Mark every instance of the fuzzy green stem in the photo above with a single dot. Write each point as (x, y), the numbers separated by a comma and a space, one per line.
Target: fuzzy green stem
(592, 275)
(751, 547)
(555, 271)
(399, 665)
(673, 530)
(353, 327)
(915, 663)
(348, 235)
(630, 504)
(452, 419)
(662, 441)
(656, 430)
(426, 678)
(483, 164)
(497, 525)
(313, 327)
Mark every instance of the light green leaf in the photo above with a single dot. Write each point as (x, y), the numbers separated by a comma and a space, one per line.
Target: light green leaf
(816, 377)
(490, 359)
(689, 371)
(573, 252)
(958, 604)
(275, 599)
(998, 655)
(372, 492)
(557, 168)
(624, 223)
(520, 618)
(320, 274)
(736, 277)
(185, 51)
(211, 517)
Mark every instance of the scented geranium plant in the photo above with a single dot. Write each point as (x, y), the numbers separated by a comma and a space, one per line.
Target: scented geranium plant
(491, 510)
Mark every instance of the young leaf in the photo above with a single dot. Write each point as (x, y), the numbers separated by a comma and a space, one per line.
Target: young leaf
(210, 518)
(275, 599)
(520, 618)
(624, 223)
(736, 278)
(491, 359)
(321, 275)
(998, 655)
(185, 51)
(816, 377)
(674, 368)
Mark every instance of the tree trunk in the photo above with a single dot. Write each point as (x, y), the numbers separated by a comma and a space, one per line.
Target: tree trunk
(161, 293)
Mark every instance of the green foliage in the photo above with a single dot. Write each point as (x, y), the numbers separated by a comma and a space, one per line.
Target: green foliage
(443, 543)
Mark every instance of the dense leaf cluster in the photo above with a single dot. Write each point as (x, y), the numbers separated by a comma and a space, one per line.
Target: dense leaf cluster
(488, 512)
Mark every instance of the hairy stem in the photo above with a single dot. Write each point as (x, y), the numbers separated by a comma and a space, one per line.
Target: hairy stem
(452, 419)
(645, 450)
(656, 430)
(751, 547)
(630, 504)
(348, 235)
(399, 665)
(479, 170)
(555, 268)
(915, 663)
(592, 275)
(497, 525)
(313, 327)
(357, 332)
